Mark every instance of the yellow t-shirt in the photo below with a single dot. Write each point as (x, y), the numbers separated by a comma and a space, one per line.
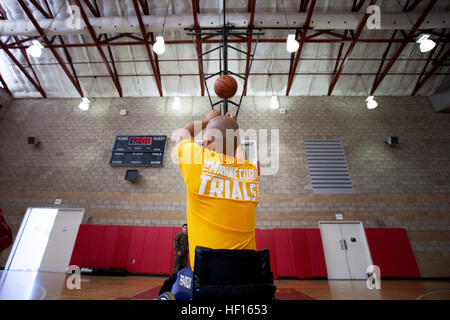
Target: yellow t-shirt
(222, 195)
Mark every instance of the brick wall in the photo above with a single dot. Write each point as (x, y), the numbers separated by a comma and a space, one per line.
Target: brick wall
(5, 101)
(406, 186)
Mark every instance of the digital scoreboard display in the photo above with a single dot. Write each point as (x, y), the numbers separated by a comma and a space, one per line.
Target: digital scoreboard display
(139, 150)
(140, 141)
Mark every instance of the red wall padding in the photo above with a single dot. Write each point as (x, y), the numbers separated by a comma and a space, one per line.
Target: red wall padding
(316, 255)
(391, 251)
(265, 239)
(296, 253)
(135, 248)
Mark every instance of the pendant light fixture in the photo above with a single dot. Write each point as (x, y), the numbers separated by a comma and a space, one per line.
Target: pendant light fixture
(159, 46)
(426, 44)
(274, 104)
(177, 102)
(371, 103)
(292, 44)
(85, 102)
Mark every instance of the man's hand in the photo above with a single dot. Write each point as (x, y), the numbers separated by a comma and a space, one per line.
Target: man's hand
(232, 116)
(212, 114)
(179, 253)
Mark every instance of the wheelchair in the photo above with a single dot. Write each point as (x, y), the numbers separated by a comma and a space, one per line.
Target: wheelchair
(222, 274)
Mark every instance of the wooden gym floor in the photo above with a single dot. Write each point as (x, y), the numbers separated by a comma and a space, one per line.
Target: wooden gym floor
(27, 285)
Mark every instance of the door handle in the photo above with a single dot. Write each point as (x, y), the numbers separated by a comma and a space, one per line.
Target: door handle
(345, 245)
(341, 242)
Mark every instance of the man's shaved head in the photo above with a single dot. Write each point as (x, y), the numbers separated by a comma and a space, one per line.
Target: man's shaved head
(222, 123)
(220, 131)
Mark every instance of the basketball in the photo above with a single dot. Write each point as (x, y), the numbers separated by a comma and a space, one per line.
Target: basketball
(225, 86)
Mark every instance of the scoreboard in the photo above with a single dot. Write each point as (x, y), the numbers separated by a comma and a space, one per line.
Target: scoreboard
(139, 151)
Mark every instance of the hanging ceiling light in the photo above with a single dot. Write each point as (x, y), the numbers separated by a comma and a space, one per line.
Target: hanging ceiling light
(371, 103)
(159, 47)
(84, 104)
(35, 50)
(176, 102)
(426, 44)
(274, 104)
(292, 45)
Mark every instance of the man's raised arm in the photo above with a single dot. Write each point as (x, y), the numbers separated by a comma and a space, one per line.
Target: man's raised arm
(188, 132)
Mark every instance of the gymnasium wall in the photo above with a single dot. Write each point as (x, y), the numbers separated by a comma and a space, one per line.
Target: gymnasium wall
(403, 187)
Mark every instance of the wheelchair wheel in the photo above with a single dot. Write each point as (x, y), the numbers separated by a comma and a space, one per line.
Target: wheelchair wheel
(166, 296)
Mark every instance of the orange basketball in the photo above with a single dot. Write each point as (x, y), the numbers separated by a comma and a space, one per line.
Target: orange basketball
(225, 86)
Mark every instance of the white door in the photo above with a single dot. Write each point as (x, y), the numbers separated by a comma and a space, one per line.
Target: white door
(347, 253)
(61, 241)
(45, 240)
(31, 240)
(357, 249)
(333, 247)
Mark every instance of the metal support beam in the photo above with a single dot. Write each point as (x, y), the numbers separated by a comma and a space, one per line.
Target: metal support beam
(357, 5)
(25, 72)
(339, 54)
(361, 26)
(147, 47)
(48, 14)
(69, 60)
(22, 50)
(384, 56)
(3, 15)
(93, 8)
(144, 6)
(251, 9)
(416, 26)
(99, 48)
(141, 42)
(413, 5)
(303, 5)
(112, 62)
(198, 45)
(5, 86)
(322, 74)
(299, 51)
(438, 63)
(407, 8)
(158, 72)
(38, 6)
(49, 45)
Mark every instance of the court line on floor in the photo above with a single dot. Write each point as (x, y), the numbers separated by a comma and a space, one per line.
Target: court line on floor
(430, 293)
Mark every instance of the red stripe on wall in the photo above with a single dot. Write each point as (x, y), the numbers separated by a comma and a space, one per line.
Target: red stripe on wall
(300, 254)
(108, 246)
(122, 246)
(293, 252)
(391, 251)
(267, 240)
(149, 252)
(316, 254)
(135, 251)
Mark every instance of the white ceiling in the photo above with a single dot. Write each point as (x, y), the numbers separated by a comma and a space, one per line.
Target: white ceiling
(132, 61)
